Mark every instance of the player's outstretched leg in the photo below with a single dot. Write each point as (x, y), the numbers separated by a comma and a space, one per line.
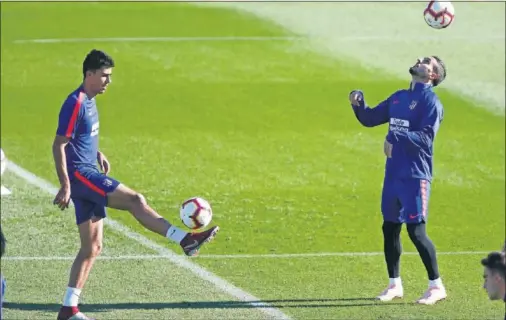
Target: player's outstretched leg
(124, 198)
(426, 249)
(91, 234)
(392, 248)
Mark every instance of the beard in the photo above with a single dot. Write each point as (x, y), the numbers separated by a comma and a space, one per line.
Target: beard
(418, 71)
(414, 71)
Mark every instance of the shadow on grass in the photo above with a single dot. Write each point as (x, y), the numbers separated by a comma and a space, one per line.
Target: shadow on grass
(288, 303)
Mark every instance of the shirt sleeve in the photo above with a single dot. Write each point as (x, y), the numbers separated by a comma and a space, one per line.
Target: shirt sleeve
(371, 117)
(423, 138)
(69, 116)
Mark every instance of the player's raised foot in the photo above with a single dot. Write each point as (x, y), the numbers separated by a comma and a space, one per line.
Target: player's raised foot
(193, 241)
(391, 293)
(71, 313)
(433, 295)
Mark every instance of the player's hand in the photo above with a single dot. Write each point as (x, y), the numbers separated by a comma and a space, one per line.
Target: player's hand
(62, 198)
(105, 166)
(387, 148)
(356, 97)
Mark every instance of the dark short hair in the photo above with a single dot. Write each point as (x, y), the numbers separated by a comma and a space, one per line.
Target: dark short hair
(440, 71)
(496, 261)
(96, 60)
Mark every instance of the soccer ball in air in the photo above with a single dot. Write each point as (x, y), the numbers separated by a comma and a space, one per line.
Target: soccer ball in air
(196, 213)
(439, 14)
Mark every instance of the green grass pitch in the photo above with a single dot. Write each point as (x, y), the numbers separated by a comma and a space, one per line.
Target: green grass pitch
(263, 130)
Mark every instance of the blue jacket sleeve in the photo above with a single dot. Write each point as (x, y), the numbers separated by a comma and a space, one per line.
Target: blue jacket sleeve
(371, 117)
(423, 138)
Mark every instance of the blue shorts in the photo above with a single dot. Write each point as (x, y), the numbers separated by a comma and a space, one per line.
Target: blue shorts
(88, 191)
(405, 200)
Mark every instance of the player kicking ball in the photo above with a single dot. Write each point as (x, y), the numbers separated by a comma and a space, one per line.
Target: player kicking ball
(75, 152)
(414, 116)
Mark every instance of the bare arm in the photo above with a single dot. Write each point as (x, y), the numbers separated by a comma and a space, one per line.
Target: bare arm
(68, 122)
(60, 159)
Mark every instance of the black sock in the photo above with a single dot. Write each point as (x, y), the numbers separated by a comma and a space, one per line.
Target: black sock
(392, 247)
(425, 248)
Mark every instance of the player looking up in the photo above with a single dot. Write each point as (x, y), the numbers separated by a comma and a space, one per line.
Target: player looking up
(76, 153)
(414, 116)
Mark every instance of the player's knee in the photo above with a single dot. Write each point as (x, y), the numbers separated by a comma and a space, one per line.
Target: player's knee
(138, 199)
(133, 200)
(391, 229)
(96, 249)
(417, 232)
(93, 250)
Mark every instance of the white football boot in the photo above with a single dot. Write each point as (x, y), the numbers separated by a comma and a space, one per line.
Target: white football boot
(392, 292)
(433, 295)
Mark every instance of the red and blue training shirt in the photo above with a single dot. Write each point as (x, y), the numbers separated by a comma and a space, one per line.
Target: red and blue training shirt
(78, 121)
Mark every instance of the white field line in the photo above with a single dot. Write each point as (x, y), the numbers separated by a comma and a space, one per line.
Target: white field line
(485, 38)
(240, 256)
(179, 260)
(157, 39)
(327, 254)
(4, 191)
(67, 258)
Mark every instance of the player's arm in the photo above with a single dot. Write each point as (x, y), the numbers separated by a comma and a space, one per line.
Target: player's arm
(68, 118)
(424, 137)
(60, 159)
(369, 117)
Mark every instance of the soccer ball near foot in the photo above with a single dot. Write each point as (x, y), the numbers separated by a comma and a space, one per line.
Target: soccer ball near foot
(439, 14)
(196, 213)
